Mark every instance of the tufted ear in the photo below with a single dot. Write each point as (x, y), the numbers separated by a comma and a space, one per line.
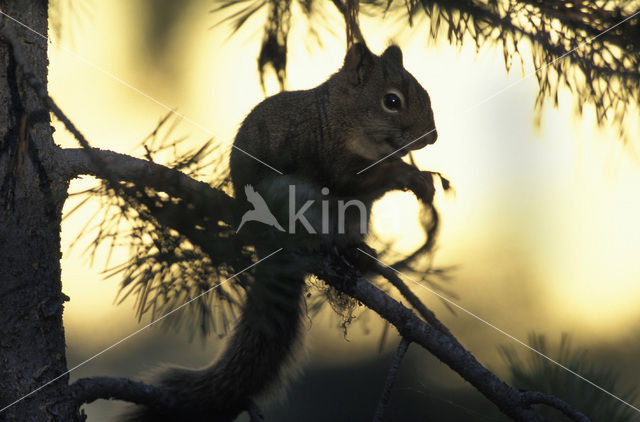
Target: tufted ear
(357, 63)
(393, 54)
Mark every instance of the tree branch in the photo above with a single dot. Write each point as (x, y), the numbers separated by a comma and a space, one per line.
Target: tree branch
(77, 161)
(407, 293)
(391, 378)
(535, 397)
(445, 347)
(349, 11)
(88, 390)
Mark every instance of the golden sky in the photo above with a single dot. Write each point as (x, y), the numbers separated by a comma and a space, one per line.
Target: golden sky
(543, 226)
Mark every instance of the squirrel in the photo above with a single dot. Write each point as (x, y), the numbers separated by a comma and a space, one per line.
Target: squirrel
(320, 139)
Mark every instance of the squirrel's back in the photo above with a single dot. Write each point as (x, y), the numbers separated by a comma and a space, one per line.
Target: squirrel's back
(282, 133)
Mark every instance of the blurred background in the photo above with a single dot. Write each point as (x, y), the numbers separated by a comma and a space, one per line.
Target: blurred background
(542, 229)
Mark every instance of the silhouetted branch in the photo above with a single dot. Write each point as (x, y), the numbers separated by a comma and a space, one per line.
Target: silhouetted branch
(391, 378)
(350, 10)
(535, 397)
(445, 347)
(87, 390)
(174, 219)
(591, 48)
(539, 371)
(122, 167)
(390, 274)
(76, 161)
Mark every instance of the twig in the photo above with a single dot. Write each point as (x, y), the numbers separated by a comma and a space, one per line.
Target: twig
(407, 293)
(445, 347)
(349, 12)
(391, 378)
(535, 397)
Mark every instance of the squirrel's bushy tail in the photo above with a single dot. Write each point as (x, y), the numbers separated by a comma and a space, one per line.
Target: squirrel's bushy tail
(254, 358)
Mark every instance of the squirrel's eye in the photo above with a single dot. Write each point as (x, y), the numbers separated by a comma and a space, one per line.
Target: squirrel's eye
(391, 102)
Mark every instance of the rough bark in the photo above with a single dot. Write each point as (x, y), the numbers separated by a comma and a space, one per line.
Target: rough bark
(32, 344)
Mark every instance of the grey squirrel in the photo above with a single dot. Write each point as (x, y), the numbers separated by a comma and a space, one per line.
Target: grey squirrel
(318, 138)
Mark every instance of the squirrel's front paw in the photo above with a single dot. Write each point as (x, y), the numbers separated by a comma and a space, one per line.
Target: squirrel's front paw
(421, 184)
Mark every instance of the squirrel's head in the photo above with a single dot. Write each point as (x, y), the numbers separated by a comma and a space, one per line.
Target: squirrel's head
(385, 107)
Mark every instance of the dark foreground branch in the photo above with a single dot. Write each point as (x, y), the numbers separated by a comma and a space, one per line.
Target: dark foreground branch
(88, 390)
(74, 162)
(391, 379)
(535, 397)
(390, 274)
(349, 11)
(445, 347)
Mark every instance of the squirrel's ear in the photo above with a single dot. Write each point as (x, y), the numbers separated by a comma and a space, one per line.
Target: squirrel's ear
(357, 63)
(393, 54)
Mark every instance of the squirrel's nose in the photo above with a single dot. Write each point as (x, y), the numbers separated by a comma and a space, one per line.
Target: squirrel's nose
(428, 138)
(425, 139)
(432, 136)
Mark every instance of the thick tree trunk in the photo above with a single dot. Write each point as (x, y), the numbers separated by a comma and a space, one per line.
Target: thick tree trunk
(32, 344)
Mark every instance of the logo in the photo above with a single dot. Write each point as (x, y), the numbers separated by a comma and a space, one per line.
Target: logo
(260, 211)
(331, 217)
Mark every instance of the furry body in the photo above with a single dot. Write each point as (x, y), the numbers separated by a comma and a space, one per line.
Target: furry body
(318, 138)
